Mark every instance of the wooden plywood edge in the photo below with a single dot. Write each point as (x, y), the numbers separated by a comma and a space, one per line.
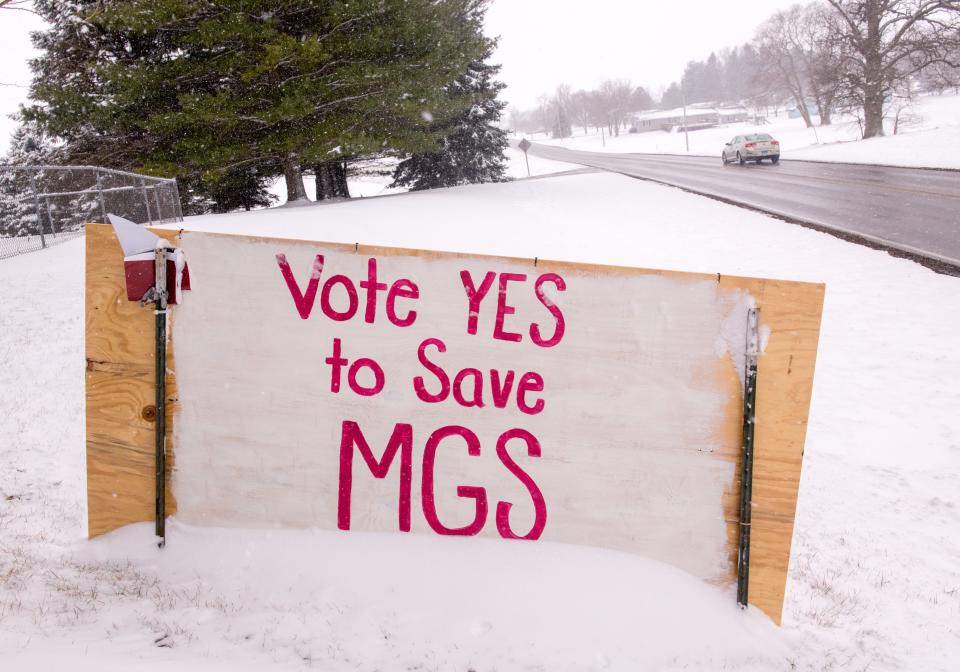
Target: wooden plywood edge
(786, 368)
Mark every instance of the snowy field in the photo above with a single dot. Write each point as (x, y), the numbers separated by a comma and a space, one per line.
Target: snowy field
(929, 137)
(874, 583)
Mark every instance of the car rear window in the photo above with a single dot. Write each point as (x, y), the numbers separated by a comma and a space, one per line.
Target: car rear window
(759, 137)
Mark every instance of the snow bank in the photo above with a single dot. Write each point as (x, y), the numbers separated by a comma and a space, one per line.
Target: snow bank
(934, 148)
(874, 583)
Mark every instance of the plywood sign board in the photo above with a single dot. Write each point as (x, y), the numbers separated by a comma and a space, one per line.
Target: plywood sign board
(362, 388)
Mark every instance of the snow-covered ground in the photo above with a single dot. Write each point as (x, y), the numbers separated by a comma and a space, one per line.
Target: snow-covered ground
(874, 583)
(517, 165)
(370, 178)
(929, 137)
(374, 179)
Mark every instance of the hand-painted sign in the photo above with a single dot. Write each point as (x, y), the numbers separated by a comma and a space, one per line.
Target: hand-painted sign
(375, 389)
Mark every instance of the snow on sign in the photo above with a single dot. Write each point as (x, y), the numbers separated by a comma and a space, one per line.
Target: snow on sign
(356, 388)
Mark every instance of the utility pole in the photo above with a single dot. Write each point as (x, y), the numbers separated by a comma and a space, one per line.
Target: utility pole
(686, 133)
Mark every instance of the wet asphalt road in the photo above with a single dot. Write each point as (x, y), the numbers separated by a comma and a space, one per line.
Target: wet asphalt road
(910, 210)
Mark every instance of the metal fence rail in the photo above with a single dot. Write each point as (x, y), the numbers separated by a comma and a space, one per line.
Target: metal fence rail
(44, 205)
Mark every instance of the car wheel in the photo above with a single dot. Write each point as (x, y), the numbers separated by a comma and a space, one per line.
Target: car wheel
(775, 159)
(740, 159)
(723, 157)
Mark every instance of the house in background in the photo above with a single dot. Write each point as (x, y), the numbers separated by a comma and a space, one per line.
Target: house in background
(697, 117)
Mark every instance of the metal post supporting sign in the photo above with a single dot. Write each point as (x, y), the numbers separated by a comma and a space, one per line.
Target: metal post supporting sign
(525, 146)
(746, 471)
(161, 370)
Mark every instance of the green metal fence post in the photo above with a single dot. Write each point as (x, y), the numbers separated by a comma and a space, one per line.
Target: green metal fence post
(746, 469)
(161, 392)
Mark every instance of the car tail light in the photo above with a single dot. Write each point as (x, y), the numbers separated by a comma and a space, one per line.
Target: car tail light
(749, 145)
(774, 142)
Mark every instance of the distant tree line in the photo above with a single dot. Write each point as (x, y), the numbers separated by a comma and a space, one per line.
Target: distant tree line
(859, 55)
(606, 107)
(230, 96)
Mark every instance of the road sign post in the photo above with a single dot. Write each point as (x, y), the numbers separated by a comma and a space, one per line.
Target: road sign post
(525, 145)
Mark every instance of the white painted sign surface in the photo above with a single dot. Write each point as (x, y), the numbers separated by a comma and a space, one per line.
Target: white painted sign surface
(632, 422)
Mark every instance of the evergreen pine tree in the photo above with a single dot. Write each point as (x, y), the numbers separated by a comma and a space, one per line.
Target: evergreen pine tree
(245, 188)
(76, 98)
(18, 209)
(194, 88)
(472, 147)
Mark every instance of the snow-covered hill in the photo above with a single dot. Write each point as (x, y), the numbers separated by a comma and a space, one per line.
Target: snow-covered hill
(874, 582)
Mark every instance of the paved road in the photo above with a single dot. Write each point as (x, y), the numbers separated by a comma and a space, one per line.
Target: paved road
(910, 210)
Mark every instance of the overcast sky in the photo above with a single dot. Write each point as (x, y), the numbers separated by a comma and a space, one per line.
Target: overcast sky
(15, 48)
(543, 43)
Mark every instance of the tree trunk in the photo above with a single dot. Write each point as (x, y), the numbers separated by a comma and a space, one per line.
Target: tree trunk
(873, 77)
(799, 97)
(331, 180)
(802, 107)
(824, 105)
(294, 179)
(873, 114)
(826, 113)
(343, 189)
(324, 181)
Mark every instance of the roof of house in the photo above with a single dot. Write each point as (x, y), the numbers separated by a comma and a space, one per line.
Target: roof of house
(693, 111)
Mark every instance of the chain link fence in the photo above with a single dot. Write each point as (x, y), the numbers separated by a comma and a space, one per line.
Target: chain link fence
(45, 205)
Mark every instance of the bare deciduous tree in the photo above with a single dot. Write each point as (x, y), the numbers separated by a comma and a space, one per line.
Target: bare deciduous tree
(608, 106)
(581, 109)
(21, 5)
(781, 67)
(944, 75)
(821, 47)
(890, 41)
(802, 53)
(618, 98)
(562, 105)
